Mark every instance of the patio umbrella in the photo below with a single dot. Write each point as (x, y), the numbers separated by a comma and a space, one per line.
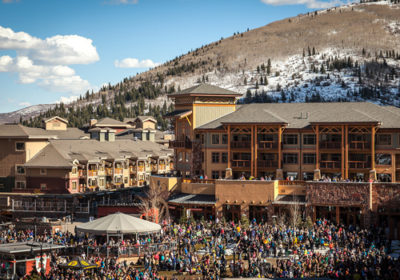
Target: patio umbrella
(79, 264)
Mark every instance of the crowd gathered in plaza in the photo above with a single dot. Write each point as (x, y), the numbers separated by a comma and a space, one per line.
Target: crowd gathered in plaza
(212, 250)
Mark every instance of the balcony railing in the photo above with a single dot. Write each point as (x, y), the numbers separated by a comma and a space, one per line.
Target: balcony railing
(360, 145)
(267, 145)
(359, 164)
(330, 145)
(118, 171)
(240, 144)
(187, 144)
(267, 163)
(92, 173)
(330, 164)
(241, 163)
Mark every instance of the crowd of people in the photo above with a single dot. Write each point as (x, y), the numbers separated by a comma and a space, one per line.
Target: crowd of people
(215, 249)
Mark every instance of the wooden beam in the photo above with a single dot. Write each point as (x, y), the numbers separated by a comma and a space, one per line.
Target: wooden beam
(280, 148)
(343, 155)
(229, 146)
(255, 150)
(373, 148)
(317, 147)
(252, 151)
(346, 172)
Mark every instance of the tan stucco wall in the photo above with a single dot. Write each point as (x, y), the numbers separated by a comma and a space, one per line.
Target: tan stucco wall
(32, 148)
(194, 188)
(55, 125)
(166, 183)
(149, 124)
(235, 191)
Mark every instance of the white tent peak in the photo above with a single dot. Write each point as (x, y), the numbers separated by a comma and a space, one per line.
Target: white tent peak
(119, 223)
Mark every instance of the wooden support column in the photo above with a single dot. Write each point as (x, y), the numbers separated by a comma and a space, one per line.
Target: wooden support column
(229, 146)
(317, 147)
(280, 148)
(373, 148)
(343, 154)
(346, 167)
(252, 151)
(255, 151)
(394, 179)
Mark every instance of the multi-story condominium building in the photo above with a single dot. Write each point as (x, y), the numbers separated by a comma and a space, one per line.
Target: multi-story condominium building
(56, 159)
(302, 141)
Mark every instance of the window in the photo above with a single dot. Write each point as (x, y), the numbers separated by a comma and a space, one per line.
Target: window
(43, 186)
(202, 157)
(215, 139)
(309, 139)
(224, 157)
(215, 157)
(20, 146)
(202, 138)
(187, 157)
(74, 170)
(180, 156)
(224, 139)
(20, 185)
(383, 159)
(222, 174)
(309, 158)
(74, 185)
(290, 158)
(43, 171)
(215, 174)
(20, 169)
(383, 139)
(290, 139)
(1, 186)
(126, 180)
(101, 182)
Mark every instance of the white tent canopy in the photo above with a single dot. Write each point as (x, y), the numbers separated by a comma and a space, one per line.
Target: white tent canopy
(119, 224)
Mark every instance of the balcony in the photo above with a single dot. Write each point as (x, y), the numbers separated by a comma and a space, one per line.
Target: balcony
(360, 145)
(186, 144)
(330, 164)
(240, 145)
(118, 171)
(359, 165)
(241, 163)
(92, 173)
(330, 145)
(141, 168)
(267, 145)
(109, 171)
(267, 163)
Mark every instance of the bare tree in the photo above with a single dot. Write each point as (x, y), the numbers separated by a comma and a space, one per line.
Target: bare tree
(295, 211)
(153, 204)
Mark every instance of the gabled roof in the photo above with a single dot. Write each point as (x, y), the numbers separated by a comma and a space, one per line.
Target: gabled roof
(55, 117)
(205, 89)
(49, 157)
(109, 122)
(146, 118)
(301, 115)
(62, 153)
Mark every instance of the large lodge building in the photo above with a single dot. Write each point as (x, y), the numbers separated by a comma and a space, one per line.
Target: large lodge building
(303, 141)
(335, 160)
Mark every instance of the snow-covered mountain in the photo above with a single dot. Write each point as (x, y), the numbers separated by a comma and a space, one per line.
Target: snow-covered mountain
(347, 53)
(25, 113)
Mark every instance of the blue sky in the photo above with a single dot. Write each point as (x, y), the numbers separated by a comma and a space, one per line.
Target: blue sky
(52, 50)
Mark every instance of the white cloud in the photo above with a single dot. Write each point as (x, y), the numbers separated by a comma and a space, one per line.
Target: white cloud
(135, 63)
(24, 104)
(45, 61)
(312, 4)
(59, 49)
